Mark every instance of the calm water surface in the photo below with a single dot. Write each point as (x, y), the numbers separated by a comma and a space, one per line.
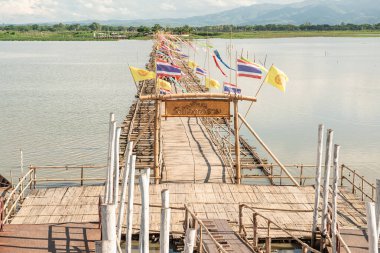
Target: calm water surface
(55, 98)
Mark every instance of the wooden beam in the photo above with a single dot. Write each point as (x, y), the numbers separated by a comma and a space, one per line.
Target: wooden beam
(317, 184)
(197, 95)
(237, 143)
(268, 150)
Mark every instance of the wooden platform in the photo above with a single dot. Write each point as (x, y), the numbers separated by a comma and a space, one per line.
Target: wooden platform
(189, 155)
(208, 201)
(69, 237)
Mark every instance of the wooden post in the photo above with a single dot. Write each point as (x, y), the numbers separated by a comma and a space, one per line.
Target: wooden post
(131, 192)
(127, 165)
(334, 200)
(255, 237)
(268, 244)
(353, 181)
(189, 240)
(200, 248)
(301, 174)
(165, 222)
(372, 231)
(237, 142)
(330, 134)
(117, 166)
(269, 151)
(34, 177)
(144, 222)
(378, 206)
(362, 188)
(240, 219)
(156, 147)
(108, 228)
(110, 133)
(81, 176)
(317, 184)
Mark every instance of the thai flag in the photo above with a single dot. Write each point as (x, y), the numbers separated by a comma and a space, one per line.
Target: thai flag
(229, 88)
(164, 92)
(201, 71)
(248, 69)
(164, 68)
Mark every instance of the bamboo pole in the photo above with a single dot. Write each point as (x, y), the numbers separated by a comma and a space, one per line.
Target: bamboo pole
(165, 222)
(110, 133)
(144, 226)
(371, 228)
(127, 165)
(329, 140)
(131, 192)
(230, 96)
(116, 169)
(268, 150)
(237, 143)
(317, 184)
(378, 206)
(108, 228)
(334, 199)
(112, 165)
(189, 240)
(156, 147)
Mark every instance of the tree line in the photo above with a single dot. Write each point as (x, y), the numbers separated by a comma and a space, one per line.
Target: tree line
(186, 29)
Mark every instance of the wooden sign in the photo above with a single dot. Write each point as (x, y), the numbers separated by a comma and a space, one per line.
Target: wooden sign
(197, 108)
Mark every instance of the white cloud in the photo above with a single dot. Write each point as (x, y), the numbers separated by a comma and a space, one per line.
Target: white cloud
(28, 11)
(167, 7)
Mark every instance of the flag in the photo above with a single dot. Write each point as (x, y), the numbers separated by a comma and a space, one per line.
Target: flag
(212, 83)
(141, 74)
(192, 64)
(217, 65)
(220, 59)
(164, 92)
(201, 71)
(164, 68)
(248, 69)
(229, 88)
(163, 84)
(256, 64)
(277, 78)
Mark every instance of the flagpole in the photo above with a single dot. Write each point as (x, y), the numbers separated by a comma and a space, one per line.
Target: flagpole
(257, 93)
(133, 78)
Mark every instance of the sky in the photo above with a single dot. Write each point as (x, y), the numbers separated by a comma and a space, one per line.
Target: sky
(40, 11)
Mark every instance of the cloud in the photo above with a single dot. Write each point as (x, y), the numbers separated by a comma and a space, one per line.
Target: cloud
(167, 7)
(29, 11)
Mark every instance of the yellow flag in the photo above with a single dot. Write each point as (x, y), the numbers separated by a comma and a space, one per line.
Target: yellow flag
(212, 83)
(141, 74)
(277, 78)
(164, 84)
(192, 64)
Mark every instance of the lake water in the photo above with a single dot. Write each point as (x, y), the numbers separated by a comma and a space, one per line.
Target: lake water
(55, 98)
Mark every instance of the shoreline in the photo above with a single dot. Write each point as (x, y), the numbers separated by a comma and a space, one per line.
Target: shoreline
(86, 36)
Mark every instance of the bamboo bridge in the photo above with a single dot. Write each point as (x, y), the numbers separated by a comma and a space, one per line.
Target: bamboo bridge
(235, 199)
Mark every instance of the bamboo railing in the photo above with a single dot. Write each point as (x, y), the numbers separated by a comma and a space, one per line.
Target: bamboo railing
(195, 223)
(359, 185)
(268, 248)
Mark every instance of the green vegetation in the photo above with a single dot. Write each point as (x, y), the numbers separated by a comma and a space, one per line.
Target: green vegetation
(96, 31)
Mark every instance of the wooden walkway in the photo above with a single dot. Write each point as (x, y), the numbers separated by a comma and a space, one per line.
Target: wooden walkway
(225, 236)
(208, 201)
(68, 237)
(189, 155)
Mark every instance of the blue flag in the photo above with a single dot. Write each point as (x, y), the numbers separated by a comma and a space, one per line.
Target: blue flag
(220, 59)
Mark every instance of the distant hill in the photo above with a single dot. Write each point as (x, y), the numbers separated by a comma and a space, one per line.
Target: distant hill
(315, 11)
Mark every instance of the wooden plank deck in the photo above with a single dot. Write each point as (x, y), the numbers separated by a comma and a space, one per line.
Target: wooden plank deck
(225, 236)
(68, 237)
(208, 201)
(189, 154)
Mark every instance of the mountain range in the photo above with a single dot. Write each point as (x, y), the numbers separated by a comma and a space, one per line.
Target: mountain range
(314, 11)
